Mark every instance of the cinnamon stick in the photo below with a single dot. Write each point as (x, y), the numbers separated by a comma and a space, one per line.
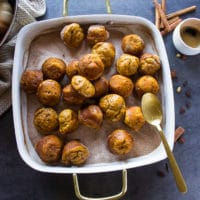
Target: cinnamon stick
(178, 133)
(172, 27)
(181, 12)
(157, 18)
(172, 20)
(163, 5)
(162, 15)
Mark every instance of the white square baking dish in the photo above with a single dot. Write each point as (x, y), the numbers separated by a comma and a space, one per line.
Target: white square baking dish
(19, 101)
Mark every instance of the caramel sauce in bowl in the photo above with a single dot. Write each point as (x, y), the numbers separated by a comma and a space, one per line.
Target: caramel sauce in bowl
(191, 36)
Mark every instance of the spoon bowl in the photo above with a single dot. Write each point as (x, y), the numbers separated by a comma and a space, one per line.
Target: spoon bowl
(152, 111)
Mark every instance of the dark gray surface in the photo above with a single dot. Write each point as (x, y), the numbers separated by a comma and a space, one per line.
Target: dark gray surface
(18, 181)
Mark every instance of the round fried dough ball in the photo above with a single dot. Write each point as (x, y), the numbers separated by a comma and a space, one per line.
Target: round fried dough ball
(132, 44)
(74, 153)
(91, 116)
(101, 87)
(30, 80)
(83, 86)
(127, 64)
(97, 33)
(113, 105)
(49, 92)
(72, 69)
(54, 68)
(91, 66)
(120, 142)
(106, 51)
(134, 118)
(145, 84)
(121, 85)
(46, 120)
(49, 148)
(72, 35)
(68, 121)
(149, 64)
(71, 96)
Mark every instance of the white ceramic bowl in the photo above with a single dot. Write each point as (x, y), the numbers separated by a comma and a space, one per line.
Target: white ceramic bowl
(29, 33)
(178, 41)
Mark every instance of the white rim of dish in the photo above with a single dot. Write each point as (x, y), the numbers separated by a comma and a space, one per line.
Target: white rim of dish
(98, 168)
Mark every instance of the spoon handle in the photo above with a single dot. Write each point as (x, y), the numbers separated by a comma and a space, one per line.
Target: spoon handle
(180, 182)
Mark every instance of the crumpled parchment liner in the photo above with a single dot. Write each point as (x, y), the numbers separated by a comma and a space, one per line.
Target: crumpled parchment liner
(50, 45)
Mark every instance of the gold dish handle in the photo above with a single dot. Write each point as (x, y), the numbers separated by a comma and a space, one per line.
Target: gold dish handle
(114, 197)
(65, 7)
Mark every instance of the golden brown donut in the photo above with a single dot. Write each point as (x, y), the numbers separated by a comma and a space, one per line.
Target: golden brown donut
(97, 33)
(71, 96)
(49, 148)
(101, 87)
(91, 116)
(113, 105)
(91, 66)
(127, 64)
(83, 86)
(145, 84)
(54, 68)
(49, 92)
(46, 120)
(149, 64)
(72, 35)
(120, 142)
(30, 80)
(121, 85)
(134, 118)
(74, 153)
(106, 51)
(132, 44)
(68, 121)
(72, 68)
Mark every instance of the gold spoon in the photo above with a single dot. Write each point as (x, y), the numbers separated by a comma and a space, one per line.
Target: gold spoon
(152, 112)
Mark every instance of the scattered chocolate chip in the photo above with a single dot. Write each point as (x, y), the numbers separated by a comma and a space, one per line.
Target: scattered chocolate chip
(188, 93)
(181, 140)
(173, 74)
(183, 57)
(188, 104)
(185, 83)
(167, 167)
(182, 110)
(160, 173)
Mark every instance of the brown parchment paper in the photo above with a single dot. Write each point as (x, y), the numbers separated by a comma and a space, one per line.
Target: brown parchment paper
(48, 45)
